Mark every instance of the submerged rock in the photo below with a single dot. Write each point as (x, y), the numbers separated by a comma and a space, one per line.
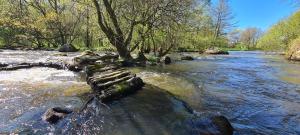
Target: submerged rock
(67, 48)
(215, 125)
(223, 124)
(187, 58)
(166, 60)
(215, 51)
(53, 115)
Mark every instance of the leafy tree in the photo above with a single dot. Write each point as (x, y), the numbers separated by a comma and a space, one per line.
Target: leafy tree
(250, 36)
(279, 36)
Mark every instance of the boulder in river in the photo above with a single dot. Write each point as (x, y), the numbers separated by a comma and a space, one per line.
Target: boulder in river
(187, 57)
(111, 81)
(53, 115)
(122, 89)
(215, 51)
(210, 125)
(166, 60)
(294, 50)
(89, 57)
(223, 125)
(67, 48)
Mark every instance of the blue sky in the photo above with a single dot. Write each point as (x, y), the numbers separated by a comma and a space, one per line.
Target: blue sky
(260, 13)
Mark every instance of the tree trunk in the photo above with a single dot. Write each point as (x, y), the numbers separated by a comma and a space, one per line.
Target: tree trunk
(124, 52)
(114, 34)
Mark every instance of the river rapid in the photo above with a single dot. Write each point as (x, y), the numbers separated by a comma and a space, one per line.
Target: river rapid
(258, 93)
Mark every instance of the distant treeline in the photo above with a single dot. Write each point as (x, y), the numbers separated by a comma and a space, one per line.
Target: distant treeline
(157, 26)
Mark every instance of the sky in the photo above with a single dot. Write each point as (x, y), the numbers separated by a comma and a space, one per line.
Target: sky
(260, 13)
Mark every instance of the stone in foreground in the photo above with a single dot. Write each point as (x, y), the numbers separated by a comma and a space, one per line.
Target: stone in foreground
(223, 124)
(112, 82)
(122, 89)
(53, 115)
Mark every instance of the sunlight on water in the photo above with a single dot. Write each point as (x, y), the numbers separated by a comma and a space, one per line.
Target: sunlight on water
(175, 85)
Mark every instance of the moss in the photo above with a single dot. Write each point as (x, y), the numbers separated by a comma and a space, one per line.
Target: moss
(122, 87)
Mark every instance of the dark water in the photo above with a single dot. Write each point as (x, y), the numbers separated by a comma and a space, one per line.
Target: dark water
(260, 94)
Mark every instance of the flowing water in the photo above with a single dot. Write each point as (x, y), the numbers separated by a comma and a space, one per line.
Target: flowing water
(258, 93)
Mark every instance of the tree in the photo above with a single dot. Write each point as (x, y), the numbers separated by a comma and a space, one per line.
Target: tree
(59, 18)
(222, 17)
(250, 36)
(120, 20)
(280, 35)
(234, 37)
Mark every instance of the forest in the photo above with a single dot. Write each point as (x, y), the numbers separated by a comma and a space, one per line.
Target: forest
(157, 26)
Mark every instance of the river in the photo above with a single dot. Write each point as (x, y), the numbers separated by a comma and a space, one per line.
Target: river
(258, 93)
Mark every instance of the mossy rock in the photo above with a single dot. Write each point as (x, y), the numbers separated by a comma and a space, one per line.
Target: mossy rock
(122, 89)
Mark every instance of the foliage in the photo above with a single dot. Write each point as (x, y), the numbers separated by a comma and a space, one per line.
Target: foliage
(279, 36)
(126, 26)
(293, 48)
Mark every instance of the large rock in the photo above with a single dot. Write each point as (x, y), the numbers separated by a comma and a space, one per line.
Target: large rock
(88, 57)
(187, 57)
(210, 125)
(294, 50)
(215, 51)
(67, 48)
(53, 115)
(122, 89)
(166, 60)
(223, 125)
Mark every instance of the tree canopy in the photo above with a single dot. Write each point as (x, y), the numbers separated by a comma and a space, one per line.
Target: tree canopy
(280, 35)
(157, 26)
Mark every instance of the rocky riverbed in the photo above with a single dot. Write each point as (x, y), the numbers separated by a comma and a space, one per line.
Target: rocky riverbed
(40, 101)
(258, 93)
